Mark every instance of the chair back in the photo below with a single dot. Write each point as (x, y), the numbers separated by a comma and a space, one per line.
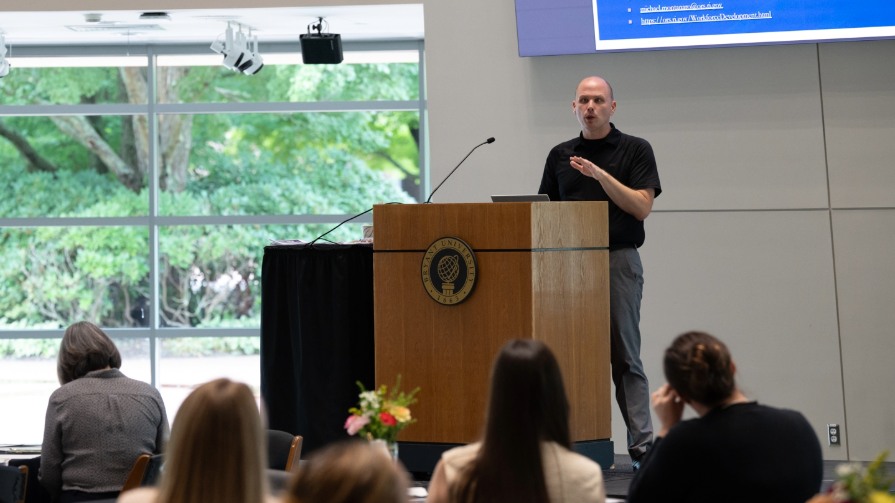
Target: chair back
(283, 450)
(135, 476)
(153, 470)
(36, 492)
(145, 472)
(13, 484)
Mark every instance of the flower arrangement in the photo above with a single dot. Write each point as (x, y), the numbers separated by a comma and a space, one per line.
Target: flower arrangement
(854, 484)
(381, 414)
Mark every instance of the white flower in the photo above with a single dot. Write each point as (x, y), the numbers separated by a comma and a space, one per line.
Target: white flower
(845, 469)
(369, 402)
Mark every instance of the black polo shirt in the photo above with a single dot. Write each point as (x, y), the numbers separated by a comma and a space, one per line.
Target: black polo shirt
(628, 159)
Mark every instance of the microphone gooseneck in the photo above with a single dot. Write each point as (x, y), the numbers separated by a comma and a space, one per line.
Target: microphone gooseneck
(343, 222)
(488, 141)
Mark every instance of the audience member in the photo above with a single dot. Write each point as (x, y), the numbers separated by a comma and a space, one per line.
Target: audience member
(736, 450)
(351, 471)
(217, 451)
(525, 454)
(98, 422)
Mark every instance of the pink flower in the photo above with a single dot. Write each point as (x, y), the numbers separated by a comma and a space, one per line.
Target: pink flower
(354, 423)
(387, 419)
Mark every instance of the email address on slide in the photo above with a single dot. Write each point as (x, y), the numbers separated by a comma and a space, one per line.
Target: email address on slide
(673, 8)
(705, 18)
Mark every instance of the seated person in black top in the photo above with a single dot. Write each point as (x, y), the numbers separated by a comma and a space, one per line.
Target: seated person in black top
(736, 450)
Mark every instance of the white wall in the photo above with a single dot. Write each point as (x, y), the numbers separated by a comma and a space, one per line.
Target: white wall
(776, 226)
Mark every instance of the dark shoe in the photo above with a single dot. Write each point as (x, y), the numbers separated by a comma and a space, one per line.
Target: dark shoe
(635, 465)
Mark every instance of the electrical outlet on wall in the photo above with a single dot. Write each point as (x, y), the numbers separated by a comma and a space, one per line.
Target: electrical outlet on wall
(834, 434)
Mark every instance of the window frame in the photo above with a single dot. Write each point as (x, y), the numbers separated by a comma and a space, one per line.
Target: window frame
(154, 221)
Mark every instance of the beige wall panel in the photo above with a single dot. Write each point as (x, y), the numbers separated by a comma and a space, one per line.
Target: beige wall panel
(763, 283)
(858, 82)
(477, 88)
(865, 268)
(727, 132)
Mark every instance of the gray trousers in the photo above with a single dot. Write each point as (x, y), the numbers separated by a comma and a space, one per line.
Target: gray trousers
(631, 386)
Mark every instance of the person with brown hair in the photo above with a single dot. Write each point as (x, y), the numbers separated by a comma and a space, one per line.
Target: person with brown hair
(217, 450)
(350, 471)
(98, 421)
(736, 450)
(525, 454)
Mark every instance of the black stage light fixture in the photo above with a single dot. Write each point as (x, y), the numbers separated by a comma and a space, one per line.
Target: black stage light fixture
(320, 48)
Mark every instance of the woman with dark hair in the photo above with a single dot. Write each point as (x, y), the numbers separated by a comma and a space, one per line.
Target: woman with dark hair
(736, 450)
(525, 455)
(98, 422)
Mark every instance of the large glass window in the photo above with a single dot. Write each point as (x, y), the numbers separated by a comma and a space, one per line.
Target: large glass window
(140, 185)
(70, 80)
(51, 276)
(363, 76)
(288, 164)
(28, 377)
(72, 165)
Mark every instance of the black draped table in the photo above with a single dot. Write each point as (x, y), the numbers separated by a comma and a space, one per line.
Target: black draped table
(316, 337)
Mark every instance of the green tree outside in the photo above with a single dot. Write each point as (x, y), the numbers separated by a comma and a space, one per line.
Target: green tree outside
(209, 164)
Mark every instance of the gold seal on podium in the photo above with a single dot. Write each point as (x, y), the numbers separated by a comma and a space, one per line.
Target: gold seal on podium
(449, 270)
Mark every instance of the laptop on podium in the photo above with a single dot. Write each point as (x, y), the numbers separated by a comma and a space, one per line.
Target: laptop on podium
(520, 198)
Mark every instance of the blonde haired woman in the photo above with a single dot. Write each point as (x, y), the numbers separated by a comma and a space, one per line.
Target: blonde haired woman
(217, 450)
(351, 471)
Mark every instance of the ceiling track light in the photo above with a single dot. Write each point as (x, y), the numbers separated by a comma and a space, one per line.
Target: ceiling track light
(240, 52)
(4, 64)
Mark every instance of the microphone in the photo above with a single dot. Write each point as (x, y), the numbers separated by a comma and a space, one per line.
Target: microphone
(489, 140)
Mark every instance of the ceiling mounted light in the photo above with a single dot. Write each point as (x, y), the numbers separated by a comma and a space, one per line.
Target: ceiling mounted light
(154, 16)
(255, 63)
(240, 53)
(4, 64)
(320, 48)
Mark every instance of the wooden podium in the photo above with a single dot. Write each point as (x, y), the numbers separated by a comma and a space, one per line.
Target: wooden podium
(542, 273)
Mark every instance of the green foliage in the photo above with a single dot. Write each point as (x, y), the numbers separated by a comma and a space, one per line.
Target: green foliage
(64, 193)
(395, 81)
(302, 83)
(29, 348)
(205, 346)
(858, 484)
(63, 86)
(237, 164)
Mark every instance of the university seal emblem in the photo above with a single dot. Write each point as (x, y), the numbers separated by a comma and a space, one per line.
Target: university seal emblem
(449, 271)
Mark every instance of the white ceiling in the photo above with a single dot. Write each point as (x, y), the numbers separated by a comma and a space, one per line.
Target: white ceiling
(280, 24)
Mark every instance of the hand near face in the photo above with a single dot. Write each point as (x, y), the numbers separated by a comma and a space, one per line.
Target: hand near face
(669, 407)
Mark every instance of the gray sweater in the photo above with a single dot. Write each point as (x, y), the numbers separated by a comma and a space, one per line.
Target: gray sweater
(95, 428)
